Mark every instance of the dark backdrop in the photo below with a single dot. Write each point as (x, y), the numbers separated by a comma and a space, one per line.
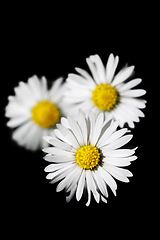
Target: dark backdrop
(52, 46)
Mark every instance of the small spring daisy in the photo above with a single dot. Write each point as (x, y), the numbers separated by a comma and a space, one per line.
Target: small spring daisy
(105, 91)
(34, 111)
(86, 155)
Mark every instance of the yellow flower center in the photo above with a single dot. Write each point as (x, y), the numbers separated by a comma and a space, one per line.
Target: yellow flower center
(46, 114)
(105, 97)
(88, 157)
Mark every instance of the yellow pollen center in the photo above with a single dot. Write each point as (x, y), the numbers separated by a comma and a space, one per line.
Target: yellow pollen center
(46, 114)
(88, 157)
(105, 97)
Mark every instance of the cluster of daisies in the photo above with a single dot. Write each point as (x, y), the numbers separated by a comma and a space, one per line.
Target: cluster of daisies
(79, 124)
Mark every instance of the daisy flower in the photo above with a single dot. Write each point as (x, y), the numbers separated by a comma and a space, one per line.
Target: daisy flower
(86, 155)
(106, 91)
(34, 111)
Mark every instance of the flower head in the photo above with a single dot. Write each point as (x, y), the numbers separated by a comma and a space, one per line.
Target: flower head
(106, 91)
(86, 154)
(35, 110)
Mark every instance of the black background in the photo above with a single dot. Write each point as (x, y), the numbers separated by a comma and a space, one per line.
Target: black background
(52, 43)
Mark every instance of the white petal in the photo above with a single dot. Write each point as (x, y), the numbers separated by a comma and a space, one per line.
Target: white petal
(97, 128)
(132, 158)
(16, 121)
(116, 135)
(85, 105)
(99, 66)
(90, 182)
(44, 89)
(108, 117)
(97, 197)
(77, 78)
(59, 135)
(68, 198)
(103, 199)
(89, 196)
(123, 117)
(60, 144)
(111, 67)
(25, 92)
(66, 182)
(57, 97)
(83, 125)
(92, 120)
(59, 158)
(133, 93)
(30, 141)
(78, 82)
(108, 179)
(76, 100)
(63, 183)
(129, 85)
(121, 162)
(93, 71)
(129, 111)
(106, 125)
(57, 151)
(126, 172)
(47, 138)
(86, 75)
(122, 75)
(118, 143)
(75, 128)
(100, 183)
(132, 111)
(54, 167)
(21, 131)
(118, 173)
(68, 134)
(74, 178)
(79, 94)
(35, 87)
(134, 102)
(64, 122)
(17, 108)
(119, 153)
(45, 132)
(33, 138)
(107, 133)
(23, 98)
(59, 174)
(54, 89)
(80, 186)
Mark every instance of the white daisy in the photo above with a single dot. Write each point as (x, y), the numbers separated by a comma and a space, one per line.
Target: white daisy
(34, 111)
(86, 155)
(105, 91)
